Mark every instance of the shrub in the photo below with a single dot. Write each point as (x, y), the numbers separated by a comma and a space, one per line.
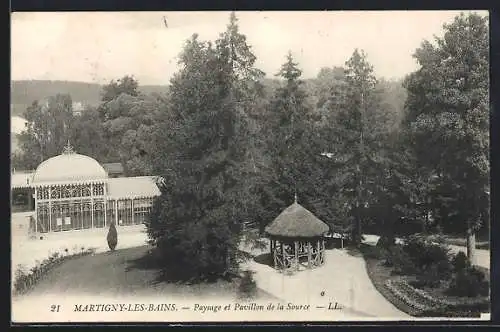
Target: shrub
(112, 236)
(460, 262)
(386, 242)
(433, 275)
(248, 286)
(374, 252)
(428, 252)
(469, 282)
(400, 260)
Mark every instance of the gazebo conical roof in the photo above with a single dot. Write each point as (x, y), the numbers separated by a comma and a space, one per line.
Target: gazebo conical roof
(296, 222)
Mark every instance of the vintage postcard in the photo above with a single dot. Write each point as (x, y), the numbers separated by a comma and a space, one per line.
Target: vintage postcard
(250, 166)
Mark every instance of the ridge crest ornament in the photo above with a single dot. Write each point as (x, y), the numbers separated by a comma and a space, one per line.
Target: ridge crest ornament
(68, 149)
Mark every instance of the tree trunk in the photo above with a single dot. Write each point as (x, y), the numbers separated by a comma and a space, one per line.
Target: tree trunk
(471, 245)
(355, 226)
(425, 221)
(358, 241)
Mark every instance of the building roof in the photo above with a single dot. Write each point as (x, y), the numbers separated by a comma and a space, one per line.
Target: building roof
(133, 187)
(68, 167)
(113, 167)
(17, 124)
(296, 221)
(21, 179)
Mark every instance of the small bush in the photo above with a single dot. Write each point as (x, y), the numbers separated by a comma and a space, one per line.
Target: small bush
(427, 252)
(248, 286)
(112, 237)
(460, 262)
(400, 260)
(433, 275)
(386, 242)
(469, 282)
(374, 252)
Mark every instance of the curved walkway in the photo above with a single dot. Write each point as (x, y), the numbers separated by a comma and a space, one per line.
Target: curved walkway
(343, 279)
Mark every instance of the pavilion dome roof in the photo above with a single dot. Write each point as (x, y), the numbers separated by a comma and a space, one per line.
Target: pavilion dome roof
(69, 166)
(296, 221)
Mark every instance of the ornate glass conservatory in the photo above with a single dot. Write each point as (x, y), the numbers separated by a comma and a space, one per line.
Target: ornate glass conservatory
(72, 191)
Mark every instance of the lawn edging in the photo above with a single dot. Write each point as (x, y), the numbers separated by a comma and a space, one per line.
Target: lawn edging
(378, 280)
(23, 281)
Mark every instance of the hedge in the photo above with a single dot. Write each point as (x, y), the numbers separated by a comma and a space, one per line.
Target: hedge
(25, 281)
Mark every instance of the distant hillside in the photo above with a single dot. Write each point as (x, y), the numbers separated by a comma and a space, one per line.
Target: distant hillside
(23, 93)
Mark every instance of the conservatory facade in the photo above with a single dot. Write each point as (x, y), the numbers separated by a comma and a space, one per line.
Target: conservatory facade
(73, 191)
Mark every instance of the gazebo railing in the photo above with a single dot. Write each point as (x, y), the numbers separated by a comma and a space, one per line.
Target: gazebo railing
(292, 256)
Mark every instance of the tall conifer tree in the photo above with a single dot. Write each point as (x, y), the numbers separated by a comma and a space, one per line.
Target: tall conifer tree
(201, 154)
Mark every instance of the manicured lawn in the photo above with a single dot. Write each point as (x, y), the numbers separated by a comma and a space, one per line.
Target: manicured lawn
(125, 272)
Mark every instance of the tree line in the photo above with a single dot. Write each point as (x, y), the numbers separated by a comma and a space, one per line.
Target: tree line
(234, 147)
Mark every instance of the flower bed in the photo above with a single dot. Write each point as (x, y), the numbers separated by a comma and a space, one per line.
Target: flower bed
(432, 302)
(24, 281)
(427, 305)
(406, 293)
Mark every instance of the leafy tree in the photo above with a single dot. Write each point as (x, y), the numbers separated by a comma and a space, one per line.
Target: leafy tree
(127, 120)
(393, 98)
(87, 135)
(200, 151)
(448, 116)
(48, 129)
(127, 85)
(136, 141)
(329, 89)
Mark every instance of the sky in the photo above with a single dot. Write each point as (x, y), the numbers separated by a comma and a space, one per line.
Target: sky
(101, 46)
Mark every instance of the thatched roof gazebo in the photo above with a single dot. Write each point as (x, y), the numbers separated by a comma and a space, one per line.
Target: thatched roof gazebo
(297, 239)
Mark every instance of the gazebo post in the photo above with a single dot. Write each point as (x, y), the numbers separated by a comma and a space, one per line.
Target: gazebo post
(274, 254)
(36, 210)
(323, 252)
(296, 245)
(282, 255)
(309, 254)
(50, 212)
(318, 252)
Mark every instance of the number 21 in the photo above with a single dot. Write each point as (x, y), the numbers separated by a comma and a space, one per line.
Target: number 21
(54, 308)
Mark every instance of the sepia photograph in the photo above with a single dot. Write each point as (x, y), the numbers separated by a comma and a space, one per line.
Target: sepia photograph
(250, 166)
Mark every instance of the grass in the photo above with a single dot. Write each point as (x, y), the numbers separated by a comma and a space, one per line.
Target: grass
(24, 280)
(127, 272)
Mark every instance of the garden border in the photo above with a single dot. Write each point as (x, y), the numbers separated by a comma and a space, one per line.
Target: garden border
(403, 301)
(23, 282)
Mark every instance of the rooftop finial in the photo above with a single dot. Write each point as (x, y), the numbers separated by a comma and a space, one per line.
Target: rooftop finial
(68, 149)
(295, 197)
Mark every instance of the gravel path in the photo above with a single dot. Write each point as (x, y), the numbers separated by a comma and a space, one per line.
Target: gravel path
(482, 255)
(343, 279)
